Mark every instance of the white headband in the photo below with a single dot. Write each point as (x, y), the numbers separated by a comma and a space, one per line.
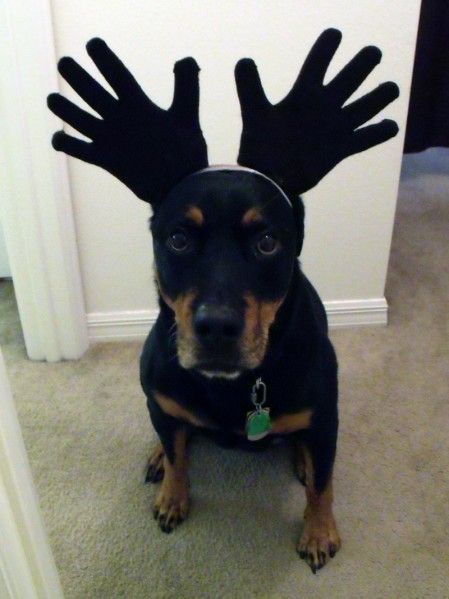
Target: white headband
(237, 167)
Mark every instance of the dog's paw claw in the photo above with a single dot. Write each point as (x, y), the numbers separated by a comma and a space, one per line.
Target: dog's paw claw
(170, 510)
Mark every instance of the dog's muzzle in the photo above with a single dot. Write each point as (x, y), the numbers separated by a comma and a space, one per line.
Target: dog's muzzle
(218, 330)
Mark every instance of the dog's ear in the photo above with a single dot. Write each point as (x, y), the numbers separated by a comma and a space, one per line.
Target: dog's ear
(299, 140)
(149, 149)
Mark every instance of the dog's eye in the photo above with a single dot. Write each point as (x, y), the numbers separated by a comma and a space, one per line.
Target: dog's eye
(267, 245)
(178, 241)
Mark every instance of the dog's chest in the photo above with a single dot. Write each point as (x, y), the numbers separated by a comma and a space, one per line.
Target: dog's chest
(231, 407)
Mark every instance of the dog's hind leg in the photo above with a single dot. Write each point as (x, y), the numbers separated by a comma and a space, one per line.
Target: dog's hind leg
(154, 471)
(300, 463)
(155, 466)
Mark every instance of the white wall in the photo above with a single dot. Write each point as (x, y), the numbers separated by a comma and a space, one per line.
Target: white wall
(349, 214)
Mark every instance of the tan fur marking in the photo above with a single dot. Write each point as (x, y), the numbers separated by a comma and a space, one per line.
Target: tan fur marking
(251, 216)
(289, 423)
(172, 408)
(316, 503)
(195, 215)
(172, 503)
(259, 316)
(182, 307)
(185, 341)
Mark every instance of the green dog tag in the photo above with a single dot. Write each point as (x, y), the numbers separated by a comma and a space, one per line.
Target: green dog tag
(258, 424)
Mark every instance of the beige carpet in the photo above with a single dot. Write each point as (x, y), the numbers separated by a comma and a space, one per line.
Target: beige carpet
(87, 432)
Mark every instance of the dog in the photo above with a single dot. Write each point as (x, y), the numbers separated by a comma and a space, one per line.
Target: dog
(235, 310)
(240, 348)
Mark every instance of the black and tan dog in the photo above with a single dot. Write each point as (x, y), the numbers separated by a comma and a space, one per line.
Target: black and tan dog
(236, 308)
(240, 347)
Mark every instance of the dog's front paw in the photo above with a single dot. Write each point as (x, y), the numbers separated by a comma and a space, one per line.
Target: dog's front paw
(319, 541)
(171, 506)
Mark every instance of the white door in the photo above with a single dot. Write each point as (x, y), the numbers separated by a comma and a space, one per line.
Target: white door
(27, 568)
(4, 263)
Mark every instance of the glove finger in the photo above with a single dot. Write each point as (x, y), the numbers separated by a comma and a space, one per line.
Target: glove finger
(186, 94)
(73, 146)
(353, 74)
(77, 118)
(366, 107)
(113, 69)
(249, 87)
(315, 66)
(86, 86)
(372, 135)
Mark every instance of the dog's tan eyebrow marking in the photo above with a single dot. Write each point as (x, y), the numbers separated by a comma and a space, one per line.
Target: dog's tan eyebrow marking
(195, 215)
(252, 216)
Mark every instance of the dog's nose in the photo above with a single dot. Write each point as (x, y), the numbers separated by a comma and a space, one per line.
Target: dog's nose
(214, 324)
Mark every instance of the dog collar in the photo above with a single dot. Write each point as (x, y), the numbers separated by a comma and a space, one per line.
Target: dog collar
(237, 167)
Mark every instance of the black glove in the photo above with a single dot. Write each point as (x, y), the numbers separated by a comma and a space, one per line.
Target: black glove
(300, 139)
(149, 149)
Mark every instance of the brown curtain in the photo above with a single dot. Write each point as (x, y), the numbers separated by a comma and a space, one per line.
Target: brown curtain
(428, 119)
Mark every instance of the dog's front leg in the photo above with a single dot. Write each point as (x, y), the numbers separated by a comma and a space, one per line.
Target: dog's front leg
(320, 539)
(172, 502)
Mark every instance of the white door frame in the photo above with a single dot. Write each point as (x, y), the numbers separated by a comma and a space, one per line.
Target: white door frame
(37, 213)
(27, 568)
(4, 260)
(39, 230)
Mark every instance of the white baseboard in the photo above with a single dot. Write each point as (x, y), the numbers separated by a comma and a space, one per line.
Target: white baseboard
(126, 325)
(135, 325)
(356, 313)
